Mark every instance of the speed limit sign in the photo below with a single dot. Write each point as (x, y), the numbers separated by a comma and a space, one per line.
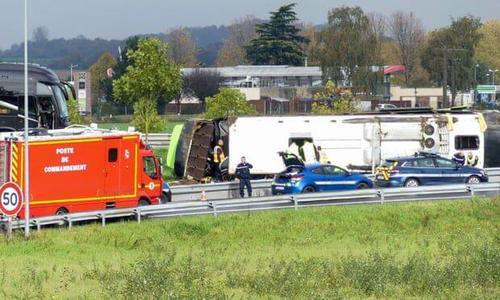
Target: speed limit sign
(11, 199)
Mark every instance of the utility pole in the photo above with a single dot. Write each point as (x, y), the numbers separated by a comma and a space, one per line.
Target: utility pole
(445, 76)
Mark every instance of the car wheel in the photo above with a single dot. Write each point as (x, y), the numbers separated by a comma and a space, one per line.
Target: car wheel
(362, 186)
(473, 180)
(411, 182)
(309, 189)
(165, 198)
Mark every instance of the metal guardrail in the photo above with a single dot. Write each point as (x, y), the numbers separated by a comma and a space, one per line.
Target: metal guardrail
(368, 196)
(158, 140)
(229, 190)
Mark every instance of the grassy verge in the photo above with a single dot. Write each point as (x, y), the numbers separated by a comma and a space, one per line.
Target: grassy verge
(440, 249)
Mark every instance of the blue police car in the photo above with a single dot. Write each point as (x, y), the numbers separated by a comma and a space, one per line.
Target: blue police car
(425, 169)
(307, 178)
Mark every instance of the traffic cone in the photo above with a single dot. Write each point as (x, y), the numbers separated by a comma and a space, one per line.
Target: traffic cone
(203, 195)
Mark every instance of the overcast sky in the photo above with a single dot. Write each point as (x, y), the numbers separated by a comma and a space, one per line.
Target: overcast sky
(122, 18)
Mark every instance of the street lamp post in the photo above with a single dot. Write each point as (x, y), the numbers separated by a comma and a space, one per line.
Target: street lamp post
(71, 72)
(493, 75)
(26, 152)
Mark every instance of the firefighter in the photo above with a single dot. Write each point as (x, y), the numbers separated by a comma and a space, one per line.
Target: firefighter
(243, 174)
(218, 158)
(472, 160)
(459, 158)
(323, 158)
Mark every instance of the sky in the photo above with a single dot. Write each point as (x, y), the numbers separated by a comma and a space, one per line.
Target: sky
(122, 18)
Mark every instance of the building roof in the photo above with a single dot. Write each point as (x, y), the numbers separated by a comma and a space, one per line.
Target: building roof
(262, 71)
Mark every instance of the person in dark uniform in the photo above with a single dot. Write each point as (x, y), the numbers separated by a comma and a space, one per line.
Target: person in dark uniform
(459, 158)
(243, 174)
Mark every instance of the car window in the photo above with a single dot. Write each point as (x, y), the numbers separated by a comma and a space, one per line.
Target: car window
(410, 164)
(425, 163)
(333, 170)
(294, 169)
(318, 171)
(445, 163)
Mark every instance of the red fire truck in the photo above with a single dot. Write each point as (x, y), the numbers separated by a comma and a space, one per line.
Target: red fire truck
(75, 170)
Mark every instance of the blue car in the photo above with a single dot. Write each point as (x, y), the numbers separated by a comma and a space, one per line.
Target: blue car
(301, 178)
(426, 169)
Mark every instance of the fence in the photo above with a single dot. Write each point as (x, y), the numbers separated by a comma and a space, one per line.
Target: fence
(158, 140)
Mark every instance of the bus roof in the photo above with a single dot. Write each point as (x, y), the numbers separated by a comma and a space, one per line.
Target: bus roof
(35, 71)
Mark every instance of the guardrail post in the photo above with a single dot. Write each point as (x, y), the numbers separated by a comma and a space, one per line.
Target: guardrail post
(103, 219)
(70, 223)
(295, 203)
(214, 207)
(470, 188)
(381, 195)
(38, 226)
(138, 214)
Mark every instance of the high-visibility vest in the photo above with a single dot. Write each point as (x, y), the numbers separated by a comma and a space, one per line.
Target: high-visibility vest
(217, 156)
(323, 158)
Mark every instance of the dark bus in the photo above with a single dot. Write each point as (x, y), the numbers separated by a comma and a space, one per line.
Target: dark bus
(47, 96)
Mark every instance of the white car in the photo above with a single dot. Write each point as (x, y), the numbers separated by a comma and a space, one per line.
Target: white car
(385, 106)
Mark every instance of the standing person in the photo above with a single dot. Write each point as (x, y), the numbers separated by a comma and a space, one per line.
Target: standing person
(243, 174)
(459, 158)
(218, 158)
(323, 158)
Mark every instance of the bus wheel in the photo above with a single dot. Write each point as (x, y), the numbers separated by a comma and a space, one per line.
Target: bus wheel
(61, 211)
(143, 202)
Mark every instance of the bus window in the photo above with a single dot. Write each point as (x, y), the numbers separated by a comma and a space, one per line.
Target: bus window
(467, 142)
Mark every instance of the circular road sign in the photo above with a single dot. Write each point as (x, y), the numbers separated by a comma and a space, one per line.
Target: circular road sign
(11, 199)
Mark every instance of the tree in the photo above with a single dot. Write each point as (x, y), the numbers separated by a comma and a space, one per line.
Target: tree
(228, 103)
(487, 49)
(202, 84)
(182, 47)
(241, 32)
(146, 118)
(151, 76)
(131, 44)
(312, 48)
(409, 35)
(99, 81)
(348, 44)
(40, 34)
(278, 41)
(448, 55)
(332, 99)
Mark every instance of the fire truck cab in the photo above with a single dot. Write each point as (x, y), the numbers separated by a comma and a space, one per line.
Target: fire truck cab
(80, 169)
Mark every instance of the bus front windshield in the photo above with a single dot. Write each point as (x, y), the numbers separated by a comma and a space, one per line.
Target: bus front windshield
(60, 99)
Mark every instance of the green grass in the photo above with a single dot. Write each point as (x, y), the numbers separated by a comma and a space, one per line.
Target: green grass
(423, 250)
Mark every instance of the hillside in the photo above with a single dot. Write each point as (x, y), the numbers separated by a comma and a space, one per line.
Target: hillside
(426, 250)
(60, 53)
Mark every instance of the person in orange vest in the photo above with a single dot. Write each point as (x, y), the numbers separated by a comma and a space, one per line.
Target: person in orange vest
(218, 158)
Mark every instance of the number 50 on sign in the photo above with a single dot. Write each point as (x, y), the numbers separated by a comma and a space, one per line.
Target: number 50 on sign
(11, 199)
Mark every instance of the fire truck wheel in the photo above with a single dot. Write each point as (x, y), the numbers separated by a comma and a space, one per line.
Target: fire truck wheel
(143, 202)
(61, 211)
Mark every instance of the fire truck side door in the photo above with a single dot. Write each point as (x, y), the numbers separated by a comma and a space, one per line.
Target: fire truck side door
(112, 166)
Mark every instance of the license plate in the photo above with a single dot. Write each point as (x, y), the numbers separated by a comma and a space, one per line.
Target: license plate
(380, 177)
(279, 188)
